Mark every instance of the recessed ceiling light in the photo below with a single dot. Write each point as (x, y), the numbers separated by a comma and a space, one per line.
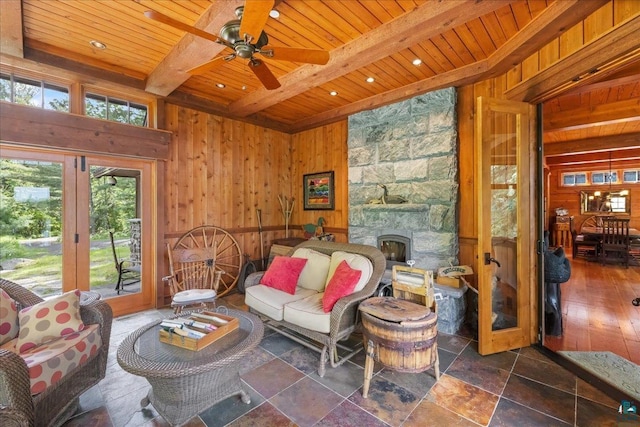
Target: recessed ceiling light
(370, 80)
(220, 85)
(417, 61)
(244, 87)
(274, 13)
(333, 93)
(98, 45)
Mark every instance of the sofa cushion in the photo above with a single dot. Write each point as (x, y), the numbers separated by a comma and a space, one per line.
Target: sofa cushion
(314, 274)
(48, 320)
(283, 273)
(308, 313)
(270, 301)
(50, 362)
(355, 261)
(342, 283)
(8, 317)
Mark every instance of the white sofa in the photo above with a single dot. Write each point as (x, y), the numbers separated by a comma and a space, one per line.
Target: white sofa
(300, 316)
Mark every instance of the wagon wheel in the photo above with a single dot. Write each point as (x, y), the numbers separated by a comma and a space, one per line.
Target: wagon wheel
(228, 254)
(590, 222)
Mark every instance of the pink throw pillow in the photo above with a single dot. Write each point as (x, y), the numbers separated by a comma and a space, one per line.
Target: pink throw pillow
(283, 273)
(342, 283)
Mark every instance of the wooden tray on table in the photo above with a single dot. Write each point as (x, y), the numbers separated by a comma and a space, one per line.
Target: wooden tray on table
(212, 336)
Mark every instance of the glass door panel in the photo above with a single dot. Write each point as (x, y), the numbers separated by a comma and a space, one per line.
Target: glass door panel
(504, 222)
(114, 231)
(504, 218)
(31, 223)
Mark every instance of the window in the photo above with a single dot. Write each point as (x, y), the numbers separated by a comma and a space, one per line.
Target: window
(116, 110)
(631, 176)
(575, 178)
(34, 93)
(604, 177)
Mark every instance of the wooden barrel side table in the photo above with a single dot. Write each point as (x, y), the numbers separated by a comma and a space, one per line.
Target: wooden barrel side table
(399, 334)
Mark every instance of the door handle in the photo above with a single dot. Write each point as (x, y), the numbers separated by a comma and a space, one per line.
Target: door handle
(488, 259)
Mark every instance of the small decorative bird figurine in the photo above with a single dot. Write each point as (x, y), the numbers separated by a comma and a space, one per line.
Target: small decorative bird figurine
(312, 230)
(393, 199)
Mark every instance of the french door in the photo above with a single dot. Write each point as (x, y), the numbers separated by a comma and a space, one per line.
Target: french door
(62, 211)
(505, 218)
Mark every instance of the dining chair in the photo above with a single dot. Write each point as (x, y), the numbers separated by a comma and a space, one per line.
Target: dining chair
(615, 240)
(584, 246)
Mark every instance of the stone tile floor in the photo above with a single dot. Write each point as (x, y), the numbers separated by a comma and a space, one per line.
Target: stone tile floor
(520, 387)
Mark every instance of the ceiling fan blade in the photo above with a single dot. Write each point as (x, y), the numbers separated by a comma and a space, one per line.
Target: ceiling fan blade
(308, 56)
(210, 65)
(254, 17)
(157, 16)
(263, 73)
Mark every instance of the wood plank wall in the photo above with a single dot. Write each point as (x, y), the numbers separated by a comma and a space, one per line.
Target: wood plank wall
(319, 150)
(569, 197)
(221, 171)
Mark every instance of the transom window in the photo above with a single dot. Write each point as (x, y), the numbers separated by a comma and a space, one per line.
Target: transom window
(35, 93)
(631, 176)
(116, 110)
(575, 178)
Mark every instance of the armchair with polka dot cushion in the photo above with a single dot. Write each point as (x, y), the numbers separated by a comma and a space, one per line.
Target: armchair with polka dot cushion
(51, 351)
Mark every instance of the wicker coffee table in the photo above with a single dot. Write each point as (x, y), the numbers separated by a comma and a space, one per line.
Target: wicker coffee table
(185, 382)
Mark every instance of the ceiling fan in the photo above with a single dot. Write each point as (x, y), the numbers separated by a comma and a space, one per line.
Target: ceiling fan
(239, 35)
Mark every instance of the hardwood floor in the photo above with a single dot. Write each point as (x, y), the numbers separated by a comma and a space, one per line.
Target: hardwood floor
(597, 313)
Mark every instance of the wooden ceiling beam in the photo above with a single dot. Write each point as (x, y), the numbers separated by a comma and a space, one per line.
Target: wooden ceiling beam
(556, 17)
(187, 100)
(191, 51)
(596, 144)
(627, 76)
(619, 47)
(11, 41)
(422, 23)
(589, 116)
(580, 159)
(83, 68)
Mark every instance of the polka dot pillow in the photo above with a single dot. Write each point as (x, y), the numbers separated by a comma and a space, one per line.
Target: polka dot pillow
(49, 320)
(8, 317)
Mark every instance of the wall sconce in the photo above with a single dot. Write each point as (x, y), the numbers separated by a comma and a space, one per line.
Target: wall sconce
(111, 180)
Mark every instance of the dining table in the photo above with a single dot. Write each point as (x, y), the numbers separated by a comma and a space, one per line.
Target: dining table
(598, 231)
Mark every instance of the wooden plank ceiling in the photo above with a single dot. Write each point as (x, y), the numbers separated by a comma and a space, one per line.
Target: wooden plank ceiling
(458, 41)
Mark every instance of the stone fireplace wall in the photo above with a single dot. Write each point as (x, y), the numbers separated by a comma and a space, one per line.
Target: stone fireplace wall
(411, 148)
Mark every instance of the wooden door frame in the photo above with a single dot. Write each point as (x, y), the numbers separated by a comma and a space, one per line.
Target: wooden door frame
(495, 341)
(75, 259)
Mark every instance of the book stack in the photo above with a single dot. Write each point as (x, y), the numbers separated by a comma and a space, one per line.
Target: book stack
(197, 330)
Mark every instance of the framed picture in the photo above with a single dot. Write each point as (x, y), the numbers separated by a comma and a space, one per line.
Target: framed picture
(318, 191)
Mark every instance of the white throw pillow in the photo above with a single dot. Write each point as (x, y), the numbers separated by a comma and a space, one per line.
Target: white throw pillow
(355, 261)
(315, 272)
